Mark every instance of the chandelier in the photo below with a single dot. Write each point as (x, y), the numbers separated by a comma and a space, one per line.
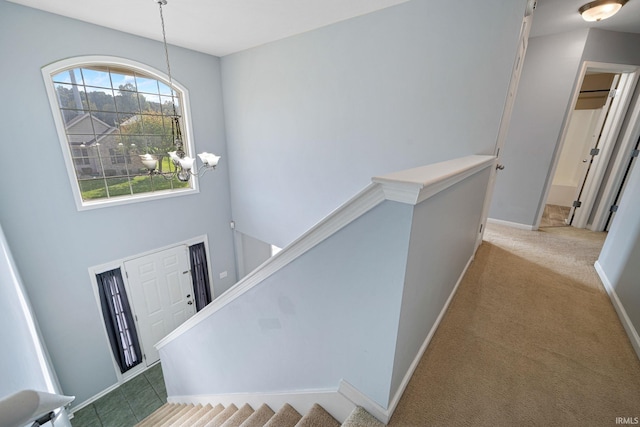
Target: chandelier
(185, 166)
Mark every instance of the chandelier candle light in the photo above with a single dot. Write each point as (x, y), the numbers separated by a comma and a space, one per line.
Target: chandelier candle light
(184, 164)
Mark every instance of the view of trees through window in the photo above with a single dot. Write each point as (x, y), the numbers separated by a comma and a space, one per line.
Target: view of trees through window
(111, 115)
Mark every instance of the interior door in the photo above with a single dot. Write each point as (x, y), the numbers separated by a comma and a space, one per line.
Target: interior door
(506, 116)
(161, 294)
(588, 161)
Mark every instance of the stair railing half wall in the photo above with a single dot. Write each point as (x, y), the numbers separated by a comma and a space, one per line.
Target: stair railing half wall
(354, 300)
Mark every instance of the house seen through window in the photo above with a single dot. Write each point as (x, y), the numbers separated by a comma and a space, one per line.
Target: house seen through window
(110, 115)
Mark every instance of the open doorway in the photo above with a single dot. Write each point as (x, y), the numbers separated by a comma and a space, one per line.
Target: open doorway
(588, 170)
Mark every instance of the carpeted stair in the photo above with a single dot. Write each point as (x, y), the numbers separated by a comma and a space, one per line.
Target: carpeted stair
(184, 415)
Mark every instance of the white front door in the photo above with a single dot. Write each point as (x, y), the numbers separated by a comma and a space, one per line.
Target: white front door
(161, 295)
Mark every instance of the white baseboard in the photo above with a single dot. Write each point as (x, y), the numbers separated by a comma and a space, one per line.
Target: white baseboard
(510, 224)
(622, 313)
(360, 399)
(335, 403)
(405, 381)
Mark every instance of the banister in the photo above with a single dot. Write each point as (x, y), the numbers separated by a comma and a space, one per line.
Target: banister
(410, 186)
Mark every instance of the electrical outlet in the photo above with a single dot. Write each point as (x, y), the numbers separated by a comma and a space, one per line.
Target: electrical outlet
(223, 274)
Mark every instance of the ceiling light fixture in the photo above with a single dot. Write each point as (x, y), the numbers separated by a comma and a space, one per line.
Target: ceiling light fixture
(184, 165)
(600, 9)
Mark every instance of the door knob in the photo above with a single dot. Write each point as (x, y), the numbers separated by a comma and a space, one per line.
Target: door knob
(190, 302)
(499, 166)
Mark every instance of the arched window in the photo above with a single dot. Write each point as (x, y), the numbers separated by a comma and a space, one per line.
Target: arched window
(108, 112)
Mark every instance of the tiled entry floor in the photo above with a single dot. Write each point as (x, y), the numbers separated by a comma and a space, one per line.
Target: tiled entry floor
(128, 404)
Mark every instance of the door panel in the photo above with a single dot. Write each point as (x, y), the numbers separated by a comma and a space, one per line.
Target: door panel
(161, 295)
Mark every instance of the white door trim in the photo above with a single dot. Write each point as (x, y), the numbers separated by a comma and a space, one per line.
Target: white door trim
(610, 133)
(119, 263)
(627, 143)
(603, 123)
(594, 66)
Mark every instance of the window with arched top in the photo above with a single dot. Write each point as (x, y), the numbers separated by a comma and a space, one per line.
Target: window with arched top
(108, 113)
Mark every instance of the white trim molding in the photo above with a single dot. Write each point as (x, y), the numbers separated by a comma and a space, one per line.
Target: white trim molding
(634, 337)
(411, 186)
(414, 186)
(334, 402)
(48, 71)
(510, 224)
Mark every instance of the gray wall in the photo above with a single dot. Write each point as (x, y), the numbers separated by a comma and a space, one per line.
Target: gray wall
(331, 314)
(53, 244)
(310, 119)
(549, 77)
(620, 255)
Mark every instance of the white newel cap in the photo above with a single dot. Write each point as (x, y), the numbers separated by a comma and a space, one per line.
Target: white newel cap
(415, 185)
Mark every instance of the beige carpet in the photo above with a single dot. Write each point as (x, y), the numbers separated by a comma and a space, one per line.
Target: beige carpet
(530, 339)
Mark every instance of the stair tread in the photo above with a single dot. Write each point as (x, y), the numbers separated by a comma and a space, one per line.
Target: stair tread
(186, 415)
(239, 416)
(158, 419)
(260, 417)
(222, 416)
(176, 416)
(361, 418)
(317, 417)
(157, 414)
(208, 416)
(196, 415)
(285, 417)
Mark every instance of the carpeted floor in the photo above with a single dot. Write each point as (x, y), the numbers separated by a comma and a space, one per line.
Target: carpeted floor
(530, 339)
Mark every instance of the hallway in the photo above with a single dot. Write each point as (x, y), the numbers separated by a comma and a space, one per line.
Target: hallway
(531, 338)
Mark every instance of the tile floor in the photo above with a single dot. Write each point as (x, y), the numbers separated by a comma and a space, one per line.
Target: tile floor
(128, 404)
(554, 216)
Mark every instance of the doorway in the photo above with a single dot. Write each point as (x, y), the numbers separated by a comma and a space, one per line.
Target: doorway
(588, 163)
(156, 292)
(162, 295)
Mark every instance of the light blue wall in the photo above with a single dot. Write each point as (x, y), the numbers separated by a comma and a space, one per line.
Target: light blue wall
(54, 244)
(19, 365)
(546, 84)
(310, 119)
(329, 315)
(549, 76)
(620, 256)
(443, 237)
(253, 252)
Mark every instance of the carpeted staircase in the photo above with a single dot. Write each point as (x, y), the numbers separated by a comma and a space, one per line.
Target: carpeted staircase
(184, 415)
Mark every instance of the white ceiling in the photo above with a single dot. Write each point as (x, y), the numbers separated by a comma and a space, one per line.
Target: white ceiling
(221, 27)
(217, 27)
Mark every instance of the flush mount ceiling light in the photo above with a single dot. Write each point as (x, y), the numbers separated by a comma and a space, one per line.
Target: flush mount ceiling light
(600, 9)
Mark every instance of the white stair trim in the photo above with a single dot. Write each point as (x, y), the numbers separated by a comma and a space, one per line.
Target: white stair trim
(335, 403)
(416, 185)
(411, 186)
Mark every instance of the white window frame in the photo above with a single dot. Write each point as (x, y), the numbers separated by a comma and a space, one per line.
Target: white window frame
(50, 70)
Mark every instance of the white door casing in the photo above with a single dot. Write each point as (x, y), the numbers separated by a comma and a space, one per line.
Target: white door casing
(161, 295)
(578, 215)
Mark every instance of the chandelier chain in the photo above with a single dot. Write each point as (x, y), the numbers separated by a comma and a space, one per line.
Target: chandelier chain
(166, 55)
